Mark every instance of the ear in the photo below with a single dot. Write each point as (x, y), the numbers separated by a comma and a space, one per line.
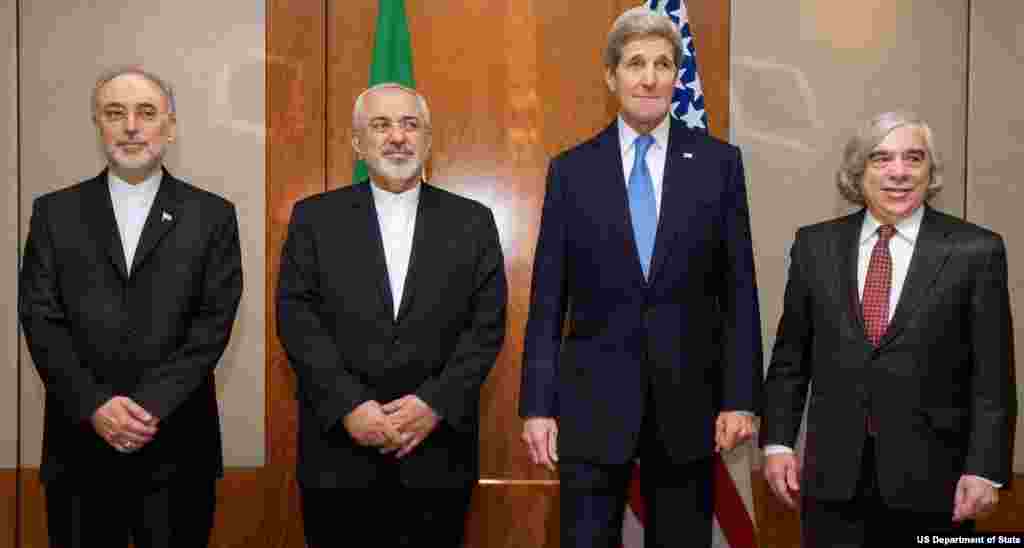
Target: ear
(609, 78)
(356, 146)
(172, 127)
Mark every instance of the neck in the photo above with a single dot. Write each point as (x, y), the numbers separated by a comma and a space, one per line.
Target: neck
(133, 176)
(396, 187)
(643, 128)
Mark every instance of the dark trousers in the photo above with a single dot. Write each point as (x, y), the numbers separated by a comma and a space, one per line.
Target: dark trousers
(865, 520)
(385, 514)
(679, 497)
(175, 515)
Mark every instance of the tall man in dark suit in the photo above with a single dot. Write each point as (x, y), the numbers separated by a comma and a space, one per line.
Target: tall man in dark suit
(391, 308)
(129, 287)
(898, 317)
(645, 241)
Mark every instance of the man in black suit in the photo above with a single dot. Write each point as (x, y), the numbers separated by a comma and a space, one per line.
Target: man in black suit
(898, 317)
(391, 308)
(645, 244)
(129, 287)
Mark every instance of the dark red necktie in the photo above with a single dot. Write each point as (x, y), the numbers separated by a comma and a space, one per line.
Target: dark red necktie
(875, 302)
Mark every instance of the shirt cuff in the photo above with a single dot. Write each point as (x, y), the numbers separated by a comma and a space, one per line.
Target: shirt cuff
(986, 480)
(777, 450)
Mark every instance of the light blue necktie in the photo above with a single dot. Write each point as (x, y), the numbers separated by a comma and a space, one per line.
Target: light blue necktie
(642, 209)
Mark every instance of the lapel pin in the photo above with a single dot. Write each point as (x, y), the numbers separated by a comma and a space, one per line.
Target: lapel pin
(165, 217)
(688, 155)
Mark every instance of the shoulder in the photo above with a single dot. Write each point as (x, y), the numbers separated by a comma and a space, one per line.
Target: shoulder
(69, 196)
(581, 154)
(329, 202)
(974, 237)
(193, 195)
(830, 228)
(459, 207)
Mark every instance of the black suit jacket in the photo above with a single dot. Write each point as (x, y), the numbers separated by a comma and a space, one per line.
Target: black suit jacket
(95, 332)
(335, 320)
(940, 383)
(691, 332)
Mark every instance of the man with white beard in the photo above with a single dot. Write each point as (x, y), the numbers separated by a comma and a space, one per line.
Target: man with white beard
(128, 291)
(391, 308)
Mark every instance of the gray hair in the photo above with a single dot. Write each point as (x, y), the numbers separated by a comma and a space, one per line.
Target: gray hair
(640, 22)
(165, 87)
(358, 118)
(850, 174)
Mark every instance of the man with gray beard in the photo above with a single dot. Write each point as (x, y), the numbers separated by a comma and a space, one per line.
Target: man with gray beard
(391, 308)
(128, 290)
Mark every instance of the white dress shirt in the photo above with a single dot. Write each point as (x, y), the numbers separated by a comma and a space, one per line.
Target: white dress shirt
(131, 207)
(901, 249)
(655, 157)
(396, 214)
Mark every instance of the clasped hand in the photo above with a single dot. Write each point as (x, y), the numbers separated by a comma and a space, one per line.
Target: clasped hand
(124, 424)
(394, 427)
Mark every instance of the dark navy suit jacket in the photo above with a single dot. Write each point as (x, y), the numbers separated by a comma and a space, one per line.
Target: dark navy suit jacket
(691, 333)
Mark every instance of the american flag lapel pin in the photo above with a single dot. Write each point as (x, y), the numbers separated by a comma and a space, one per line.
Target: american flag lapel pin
(166, 217)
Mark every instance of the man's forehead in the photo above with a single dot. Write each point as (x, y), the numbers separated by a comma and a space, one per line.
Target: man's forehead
(130, 88)
(903, 138)
(391, 102)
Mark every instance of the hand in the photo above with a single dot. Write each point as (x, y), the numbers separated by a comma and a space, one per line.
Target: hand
(370, 427)
(975, 498)
(413, 419)
(124, 424)
(783, 474)
(731, 429)
(541, 437)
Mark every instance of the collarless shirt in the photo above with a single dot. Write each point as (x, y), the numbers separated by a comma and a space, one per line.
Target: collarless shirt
(131, 207)
(396, 214)
(655, 157)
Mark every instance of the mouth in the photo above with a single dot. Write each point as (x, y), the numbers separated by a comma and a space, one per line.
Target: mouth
(131, 146)
(896, 192)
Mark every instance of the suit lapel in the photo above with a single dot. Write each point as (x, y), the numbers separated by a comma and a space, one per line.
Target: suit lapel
(847, 254)
(930, 253)
(673, 195)
(163, 216)
(376, 242)
(100, 212)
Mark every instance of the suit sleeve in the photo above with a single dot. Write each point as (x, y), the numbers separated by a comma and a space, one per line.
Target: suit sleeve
(162, 389)
(789, 373)
(993, 409)
(538, 394)
(325, 383)
(743, 358)
(48, 328)
(454, 393)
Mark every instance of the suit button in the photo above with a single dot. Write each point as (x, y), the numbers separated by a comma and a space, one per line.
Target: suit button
(395, 340)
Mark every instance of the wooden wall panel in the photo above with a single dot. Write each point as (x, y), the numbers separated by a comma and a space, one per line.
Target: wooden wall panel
(295, 169)
(8, 507)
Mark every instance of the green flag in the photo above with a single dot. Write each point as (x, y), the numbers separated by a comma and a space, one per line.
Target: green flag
(392, 55)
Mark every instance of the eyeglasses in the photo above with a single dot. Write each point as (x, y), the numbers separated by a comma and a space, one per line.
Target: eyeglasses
(145, 116)
(384, 126)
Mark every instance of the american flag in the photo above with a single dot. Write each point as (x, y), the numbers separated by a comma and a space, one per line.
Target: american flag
(733, 525)
(688, 97)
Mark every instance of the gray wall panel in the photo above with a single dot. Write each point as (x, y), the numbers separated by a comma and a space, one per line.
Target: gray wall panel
(213, 53)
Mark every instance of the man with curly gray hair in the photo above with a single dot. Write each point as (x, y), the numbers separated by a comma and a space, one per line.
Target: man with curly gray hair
(898, 319)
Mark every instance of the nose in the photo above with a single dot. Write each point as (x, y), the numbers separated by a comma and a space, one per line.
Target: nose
(131, 123)
(648, 76)
(397, 134)
(898, 169)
